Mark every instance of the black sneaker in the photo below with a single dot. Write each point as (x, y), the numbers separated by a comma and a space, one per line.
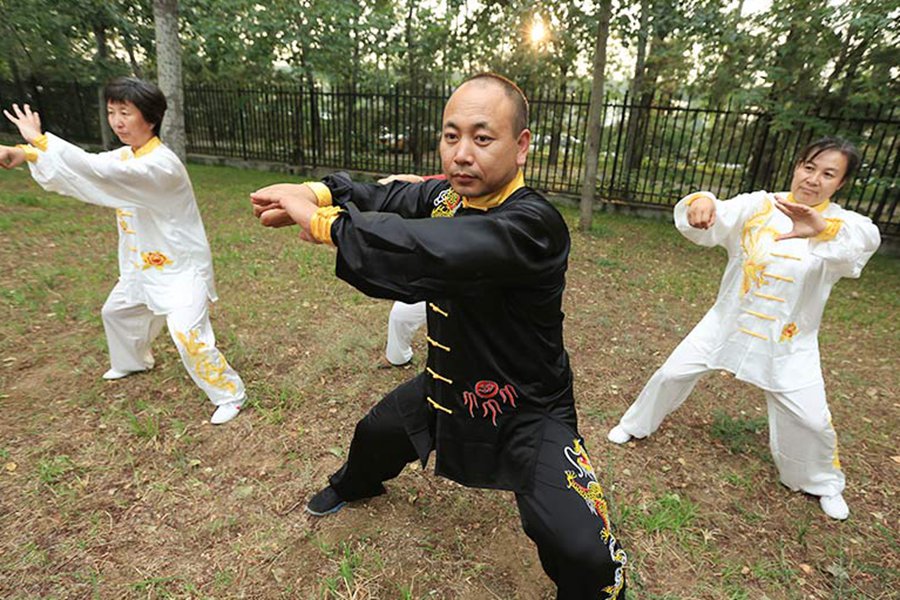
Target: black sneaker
(325, 502)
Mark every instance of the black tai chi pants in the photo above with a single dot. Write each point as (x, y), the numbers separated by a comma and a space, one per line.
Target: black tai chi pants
(564, 513)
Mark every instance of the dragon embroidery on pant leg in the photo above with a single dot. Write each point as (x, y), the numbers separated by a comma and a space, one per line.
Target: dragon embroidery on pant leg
(592, 494)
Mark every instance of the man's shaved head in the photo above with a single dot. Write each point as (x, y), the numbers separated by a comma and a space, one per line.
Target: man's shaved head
(513, 92)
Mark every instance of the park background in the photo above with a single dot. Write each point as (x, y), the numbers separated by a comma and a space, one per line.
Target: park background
(122, 490)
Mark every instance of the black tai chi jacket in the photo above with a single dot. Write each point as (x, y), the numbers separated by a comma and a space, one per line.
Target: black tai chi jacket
(493, 276)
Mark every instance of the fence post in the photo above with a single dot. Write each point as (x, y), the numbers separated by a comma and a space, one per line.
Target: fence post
(612, 177)
(240, 100)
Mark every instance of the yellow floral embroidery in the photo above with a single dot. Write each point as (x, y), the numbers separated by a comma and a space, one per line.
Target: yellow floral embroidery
(121, 213)
(755, 229)
(155, 259)
(789, 331)
(208, 366)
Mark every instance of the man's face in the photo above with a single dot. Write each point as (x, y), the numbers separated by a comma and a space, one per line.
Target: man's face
(480, 151)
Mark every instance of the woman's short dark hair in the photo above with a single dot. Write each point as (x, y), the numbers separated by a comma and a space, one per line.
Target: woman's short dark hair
(147, 97)
(825, 144)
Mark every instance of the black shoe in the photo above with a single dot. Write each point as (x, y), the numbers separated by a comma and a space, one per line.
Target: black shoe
(325, 502)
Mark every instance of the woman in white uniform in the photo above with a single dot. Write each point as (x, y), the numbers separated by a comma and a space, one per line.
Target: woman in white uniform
(165, 266)
(785, 252)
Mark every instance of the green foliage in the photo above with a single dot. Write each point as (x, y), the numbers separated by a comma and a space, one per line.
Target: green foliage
(792, 56)
(668, 513)
(52, 470)
(738, 434)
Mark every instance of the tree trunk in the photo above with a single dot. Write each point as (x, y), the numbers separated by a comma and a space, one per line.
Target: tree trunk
(17, 78)
(106, 135)
(129, 48)
(637, 86)
(559, 111)
(414, 137)
(168, 69)
(589, 179)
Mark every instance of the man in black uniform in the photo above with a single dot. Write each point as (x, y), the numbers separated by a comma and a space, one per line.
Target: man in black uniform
(495, 402)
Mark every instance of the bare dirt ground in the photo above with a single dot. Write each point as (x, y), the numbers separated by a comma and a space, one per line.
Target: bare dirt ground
(124, 490)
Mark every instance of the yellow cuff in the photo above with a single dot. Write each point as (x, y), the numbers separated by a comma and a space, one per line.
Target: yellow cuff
(697, 195)
(321, 222)
(830, 231)
(40, 142)
(31, 153)
(323, 194)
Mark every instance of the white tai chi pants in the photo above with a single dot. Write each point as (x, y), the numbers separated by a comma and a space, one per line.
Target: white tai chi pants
(405, 319)
(131, 327)
(801, 437)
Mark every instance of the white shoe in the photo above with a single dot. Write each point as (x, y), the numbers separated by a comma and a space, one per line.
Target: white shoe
(617, 435)
(114, 374)
(226, 412)
(117, 374)
(835, 506)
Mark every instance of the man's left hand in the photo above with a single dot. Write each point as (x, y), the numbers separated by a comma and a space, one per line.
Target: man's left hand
(808, 222)
(296, 202)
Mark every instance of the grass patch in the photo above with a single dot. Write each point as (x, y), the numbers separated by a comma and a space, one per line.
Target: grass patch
(671, 512)
(124, 490)
(739, 434)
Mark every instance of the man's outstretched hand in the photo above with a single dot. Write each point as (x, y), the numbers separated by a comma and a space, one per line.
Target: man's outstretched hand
(285, 204)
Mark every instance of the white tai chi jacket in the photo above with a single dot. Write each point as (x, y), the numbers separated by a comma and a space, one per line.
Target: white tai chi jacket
(765, 322)
(163, 248)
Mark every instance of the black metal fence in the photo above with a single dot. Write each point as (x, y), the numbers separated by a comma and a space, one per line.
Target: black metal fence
(652, 152)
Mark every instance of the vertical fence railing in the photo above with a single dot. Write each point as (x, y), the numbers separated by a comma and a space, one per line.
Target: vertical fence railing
(651, 152)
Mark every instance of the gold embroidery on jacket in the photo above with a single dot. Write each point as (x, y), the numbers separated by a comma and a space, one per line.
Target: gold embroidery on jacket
(155, 259)
(756, 229)
(789, 331)
(121, 213)
(446, 204)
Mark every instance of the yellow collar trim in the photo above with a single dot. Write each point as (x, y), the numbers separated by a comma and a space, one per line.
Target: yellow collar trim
(821, 206)
(497, 198)
(151, 145)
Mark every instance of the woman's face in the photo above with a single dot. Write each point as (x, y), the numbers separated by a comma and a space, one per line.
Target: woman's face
(126, 120)
(818, 179)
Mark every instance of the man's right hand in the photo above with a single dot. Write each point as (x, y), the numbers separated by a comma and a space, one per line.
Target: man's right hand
(702, 212)
(11, 157)
(275, 217)
(288, 202)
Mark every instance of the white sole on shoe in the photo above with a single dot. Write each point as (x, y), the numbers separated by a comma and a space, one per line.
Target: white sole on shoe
(113, 374)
